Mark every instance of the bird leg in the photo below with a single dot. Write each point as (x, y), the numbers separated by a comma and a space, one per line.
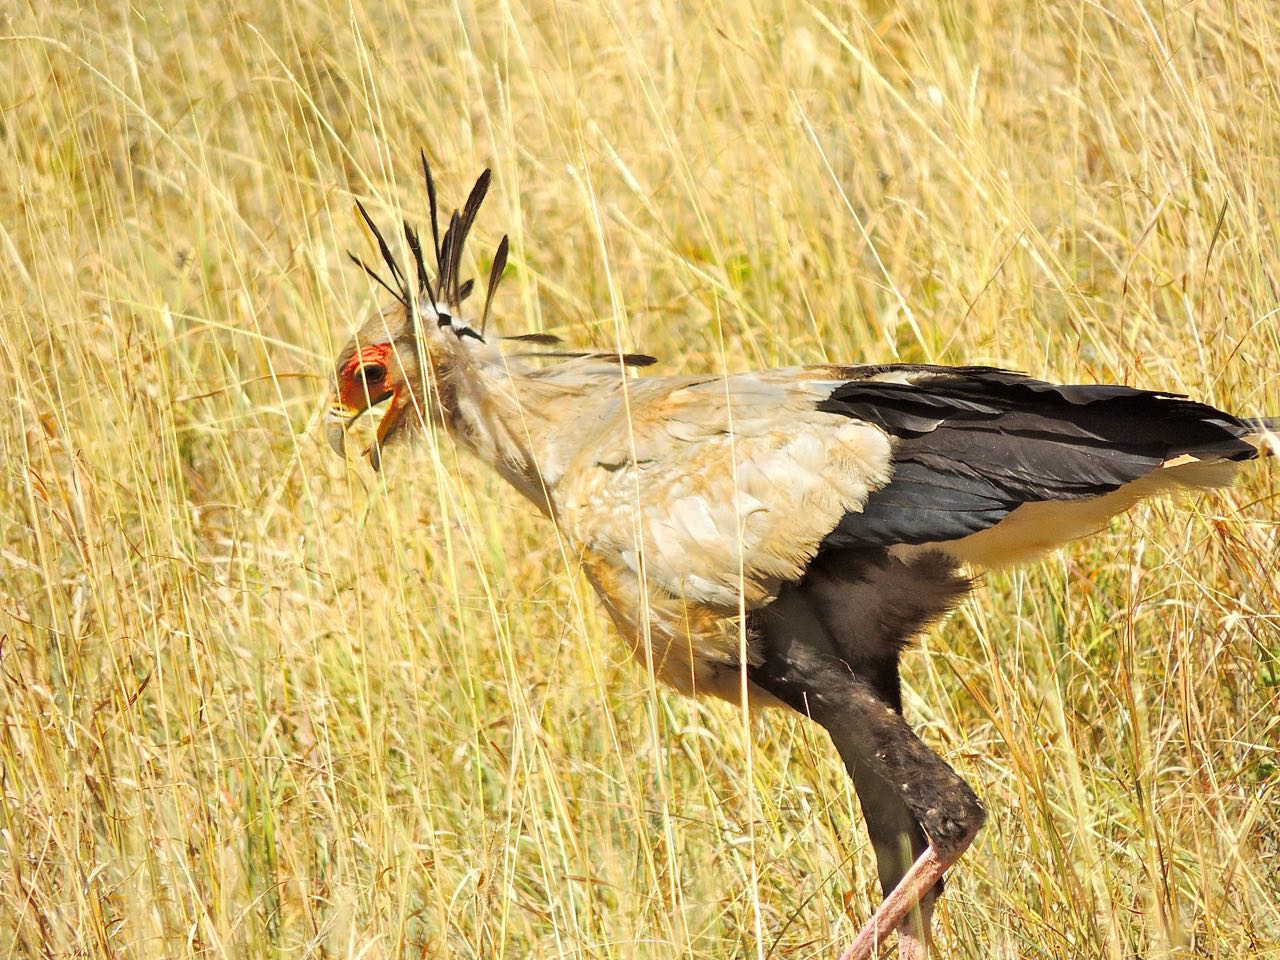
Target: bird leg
(796, 665)
(917, 884)
(913, 940)
(933, 794)
(898, 842)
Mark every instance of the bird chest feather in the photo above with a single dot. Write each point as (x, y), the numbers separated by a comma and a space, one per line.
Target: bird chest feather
(704, 501)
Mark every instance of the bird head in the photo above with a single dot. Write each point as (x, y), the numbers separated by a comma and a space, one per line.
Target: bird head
(412, 355)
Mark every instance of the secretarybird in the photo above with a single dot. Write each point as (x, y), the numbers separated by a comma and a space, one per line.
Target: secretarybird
(780, 535)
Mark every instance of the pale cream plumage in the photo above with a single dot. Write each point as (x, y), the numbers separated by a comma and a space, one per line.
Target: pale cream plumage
(689, 500)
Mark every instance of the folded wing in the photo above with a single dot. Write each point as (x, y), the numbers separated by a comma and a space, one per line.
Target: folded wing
(719, 490)
(978, 448)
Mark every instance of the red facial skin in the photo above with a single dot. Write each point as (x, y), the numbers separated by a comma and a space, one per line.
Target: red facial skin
(354, 393)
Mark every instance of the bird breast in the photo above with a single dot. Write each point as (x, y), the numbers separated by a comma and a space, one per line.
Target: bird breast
(691, 512)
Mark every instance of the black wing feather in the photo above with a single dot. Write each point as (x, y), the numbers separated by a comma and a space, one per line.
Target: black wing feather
(974, 443)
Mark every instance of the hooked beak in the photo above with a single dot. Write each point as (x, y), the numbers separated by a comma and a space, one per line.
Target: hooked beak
(340, 417)
(337, 421)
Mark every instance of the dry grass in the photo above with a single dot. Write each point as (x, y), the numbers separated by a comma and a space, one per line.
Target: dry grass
(256, 704)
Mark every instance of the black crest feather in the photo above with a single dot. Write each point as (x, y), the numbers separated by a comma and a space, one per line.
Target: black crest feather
(448, 289)
(626, 359)
(415, 246)
(542, 339)
(387, 256)
(495, 277)
(431, 201)
(374, 274)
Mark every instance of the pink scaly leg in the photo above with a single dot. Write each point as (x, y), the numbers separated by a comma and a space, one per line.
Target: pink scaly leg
(914, 941)
(911, 946)
(920, 879)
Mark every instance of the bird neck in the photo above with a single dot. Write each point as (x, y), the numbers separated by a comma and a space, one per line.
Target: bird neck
(513, 422)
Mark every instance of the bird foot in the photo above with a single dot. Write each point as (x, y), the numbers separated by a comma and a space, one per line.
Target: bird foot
(910, 891)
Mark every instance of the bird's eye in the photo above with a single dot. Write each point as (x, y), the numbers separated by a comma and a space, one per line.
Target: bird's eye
(370, 373)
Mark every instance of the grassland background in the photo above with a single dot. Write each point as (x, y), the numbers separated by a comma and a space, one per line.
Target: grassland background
(256, 703)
